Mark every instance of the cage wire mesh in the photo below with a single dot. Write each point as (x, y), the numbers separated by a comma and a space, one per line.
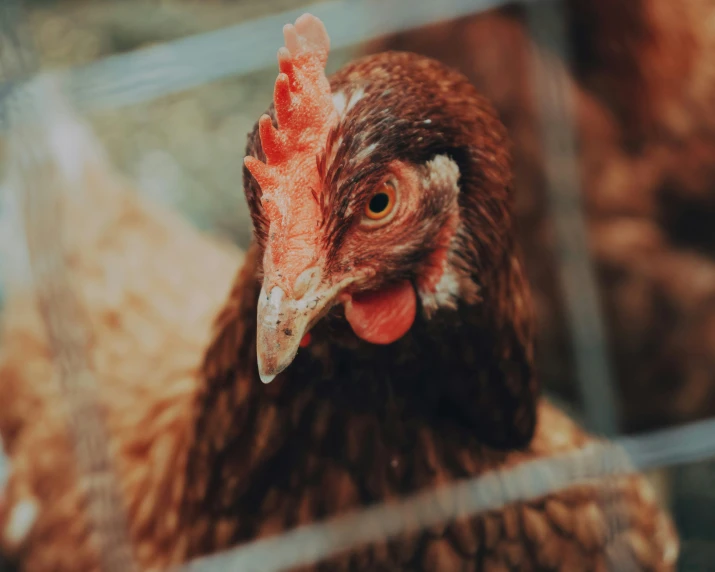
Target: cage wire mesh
(36, 179)
(147, 74)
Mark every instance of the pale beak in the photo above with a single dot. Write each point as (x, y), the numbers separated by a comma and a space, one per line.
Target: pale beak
(284, 320)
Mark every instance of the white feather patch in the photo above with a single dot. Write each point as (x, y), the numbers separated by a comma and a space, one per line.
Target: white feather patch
(342, 104)
(22, 518)
(443, 173)
(446, 292)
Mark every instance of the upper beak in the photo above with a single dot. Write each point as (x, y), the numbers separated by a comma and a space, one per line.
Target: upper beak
(283, 321)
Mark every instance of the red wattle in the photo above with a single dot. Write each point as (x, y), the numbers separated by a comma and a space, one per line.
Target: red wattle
(382, 317)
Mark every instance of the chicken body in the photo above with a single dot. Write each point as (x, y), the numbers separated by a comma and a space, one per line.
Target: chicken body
(349, 438)
(210, 457)
(351, 423)
(150, 312)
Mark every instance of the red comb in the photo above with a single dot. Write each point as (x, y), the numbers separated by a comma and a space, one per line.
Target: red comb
(304, 110)
(289, 178)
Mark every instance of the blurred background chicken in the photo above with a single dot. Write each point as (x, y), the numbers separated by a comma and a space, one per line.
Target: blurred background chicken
(149, 312)
(414, 244)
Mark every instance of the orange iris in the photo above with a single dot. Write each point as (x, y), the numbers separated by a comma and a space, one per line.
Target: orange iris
(381, 203)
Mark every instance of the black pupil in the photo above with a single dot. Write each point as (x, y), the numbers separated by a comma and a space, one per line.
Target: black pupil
(379, 202)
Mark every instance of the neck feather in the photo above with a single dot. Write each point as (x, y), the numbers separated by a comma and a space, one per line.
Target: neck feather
(464, 372)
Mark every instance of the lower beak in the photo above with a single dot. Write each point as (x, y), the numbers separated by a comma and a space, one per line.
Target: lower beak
(282, 323)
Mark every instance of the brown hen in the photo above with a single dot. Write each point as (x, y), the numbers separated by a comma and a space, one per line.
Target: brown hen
(385, 250)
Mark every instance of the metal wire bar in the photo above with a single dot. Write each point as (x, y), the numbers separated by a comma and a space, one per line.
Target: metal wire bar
(691, 443)
(310, 544)
(594, 376)
(154, 72)
(17, 53)
(4, 468)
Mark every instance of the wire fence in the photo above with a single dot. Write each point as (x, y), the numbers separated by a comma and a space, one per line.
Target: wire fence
(530, 480)
(37, 181)
(246, 47)
(157, 71)
(4, 467)
(547, 24)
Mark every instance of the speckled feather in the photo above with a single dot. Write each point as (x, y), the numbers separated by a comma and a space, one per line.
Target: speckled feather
(151, 286)
(286, 456)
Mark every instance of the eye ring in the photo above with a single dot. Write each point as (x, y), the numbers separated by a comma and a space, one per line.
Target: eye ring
(381, 205)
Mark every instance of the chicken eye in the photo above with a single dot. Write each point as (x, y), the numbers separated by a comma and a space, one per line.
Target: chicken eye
(382, 203)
